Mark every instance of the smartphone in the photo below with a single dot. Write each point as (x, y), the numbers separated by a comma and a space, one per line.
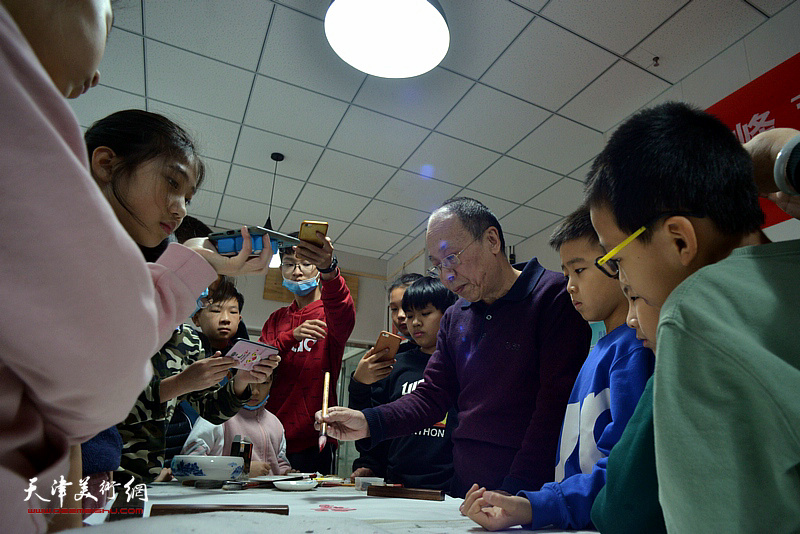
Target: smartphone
(309, 229)
(390, 341)
(229, 242)
(248, 353)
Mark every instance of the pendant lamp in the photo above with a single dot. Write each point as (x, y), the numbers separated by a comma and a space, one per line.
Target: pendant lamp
(388, 38)
(275, 261)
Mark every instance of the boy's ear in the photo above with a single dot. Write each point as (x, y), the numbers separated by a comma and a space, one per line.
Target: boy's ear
(683, 238)
(196, 318)
(102, 163)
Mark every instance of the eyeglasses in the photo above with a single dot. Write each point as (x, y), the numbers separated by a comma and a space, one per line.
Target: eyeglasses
(610, 267)
(305, 267)
(448, 262)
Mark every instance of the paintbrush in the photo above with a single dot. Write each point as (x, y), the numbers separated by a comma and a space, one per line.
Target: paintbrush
(323, 438)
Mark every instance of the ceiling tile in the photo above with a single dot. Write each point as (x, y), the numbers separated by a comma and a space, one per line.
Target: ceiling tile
(492, 119)
(770, 7)
(377, 137)
(232, 31)
(400, 246)
(257, 185)
(539, 247)
(563, 198)
(315, 8)
(479, 32)
(620, 91)
(293, 111)
(512, 239)
(205, 204)
(448, 159)
(617, 25)
(391, 217)
(498, 206)
(350, 173)
(195, 82)
(247, 212)
(210, 221)
(359, 251)
(295, 218)
(330, 203)
(215, 138)
(128, 15)
(422, 100)
(513, 180)
(255, 147)
(559, 145)
(773, 42)
(418, 192)
(534, 5)
(216, 175)
(527, 221)
(101, 102)
(718, 78)
(672, 94)
(581, 172)
(368, 238)
(698, 32)
(122, 66)
(547, 65)
(297, 52)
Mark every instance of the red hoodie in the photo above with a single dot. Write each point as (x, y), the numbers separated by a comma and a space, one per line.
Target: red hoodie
(296, 392)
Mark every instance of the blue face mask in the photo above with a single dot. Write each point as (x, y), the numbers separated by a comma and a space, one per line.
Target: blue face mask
(257, 406)
(202, 302)
(301, 288)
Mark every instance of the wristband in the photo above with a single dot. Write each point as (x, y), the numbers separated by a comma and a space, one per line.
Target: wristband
(787, 167)
(331, 268)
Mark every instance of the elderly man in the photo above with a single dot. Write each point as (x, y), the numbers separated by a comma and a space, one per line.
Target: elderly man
(507, 356)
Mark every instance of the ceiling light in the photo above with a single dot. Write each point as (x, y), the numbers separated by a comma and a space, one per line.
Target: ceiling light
(388, 38)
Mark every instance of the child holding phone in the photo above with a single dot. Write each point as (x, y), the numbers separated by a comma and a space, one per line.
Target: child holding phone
(423, 459)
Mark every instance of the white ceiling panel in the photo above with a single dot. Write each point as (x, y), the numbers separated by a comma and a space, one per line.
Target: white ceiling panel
(350, 173)
(390, 217)
(527, 221)
(774, 42)
(192, 81)
(103, 102)
(563, 198)
(298, 53)
(315, 8)
(418, 192)
(617, 25)
(279, 107)
(257, 185)
(246, 212)
(559, 145)
(423, 100)
(214, 137)
(295, 218)
(205, 204)
(547, 65)
(216, 175)
(770, 7)
(400, 246)
(450, 160)
(233, 31)
(718, 78)
(359, 251)
(492, 119)
(581, 172)
(512, 239)
(255, 146)
(128, 15)
(620, 91)
(368, 238)
(498, 206)
(533, 5)
(377, 137)
(122, 66)
(479, 32)
(330, 203)
(694, 35)
(514, 180)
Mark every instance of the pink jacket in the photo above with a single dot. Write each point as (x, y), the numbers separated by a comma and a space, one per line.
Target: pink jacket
(81, 311)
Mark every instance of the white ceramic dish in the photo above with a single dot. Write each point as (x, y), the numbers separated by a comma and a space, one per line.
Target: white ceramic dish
(295, 485)
(193, 467)
(288, 476)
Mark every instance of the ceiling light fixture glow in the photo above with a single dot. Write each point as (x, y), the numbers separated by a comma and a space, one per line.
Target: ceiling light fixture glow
(388, 38)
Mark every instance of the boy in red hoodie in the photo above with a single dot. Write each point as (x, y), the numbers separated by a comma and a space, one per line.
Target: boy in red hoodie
(311, 334)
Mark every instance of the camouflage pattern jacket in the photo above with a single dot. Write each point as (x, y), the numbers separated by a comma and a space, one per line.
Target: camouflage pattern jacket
(144, 430)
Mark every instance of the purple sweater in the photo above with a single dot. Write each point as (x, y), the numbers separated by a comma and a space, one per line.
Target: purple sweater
(508, 368)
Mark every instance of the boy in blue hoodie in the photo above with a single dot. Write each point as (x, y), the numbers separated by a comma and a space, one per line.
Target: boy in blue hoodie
(605, 395)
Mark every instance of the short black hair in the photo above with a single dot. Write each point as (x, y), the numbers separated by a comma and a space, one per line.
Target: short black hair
(675, 158)
(475, 217)
(428, 290)
(287, 250)
(226, 290)
(404, 280)
(191, 227)
(577, 225)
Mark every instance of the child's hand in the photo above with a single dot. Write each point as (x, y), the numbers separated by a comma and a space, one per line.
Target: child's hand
(789, 204)
(373, 366)
(205, 373)
(237, 265)
(362, 472)
(310, 329)
(260, 373)
(494, 511)
(343, 423)
(258, 469)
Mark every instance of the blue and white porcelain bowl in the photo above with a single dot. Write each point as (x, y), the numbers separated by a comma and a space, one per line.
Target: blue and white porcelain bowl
(191, 467)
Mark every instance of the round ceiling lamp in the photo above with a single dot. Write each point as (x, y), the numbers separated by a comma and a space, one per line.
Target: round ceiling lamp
(388, 38)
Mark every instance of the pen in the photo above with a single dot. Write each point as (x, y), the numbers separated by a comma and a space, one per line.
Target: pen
(323, 439)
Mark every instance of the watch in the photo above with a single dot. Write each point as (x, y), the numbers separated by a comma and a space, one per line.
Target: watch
(787, 167)
(332, 267)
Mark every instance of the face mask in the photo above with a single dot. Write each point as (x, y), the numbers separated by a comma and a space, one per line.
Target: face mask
(257, 406)
(202, 302)
(301, 288)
